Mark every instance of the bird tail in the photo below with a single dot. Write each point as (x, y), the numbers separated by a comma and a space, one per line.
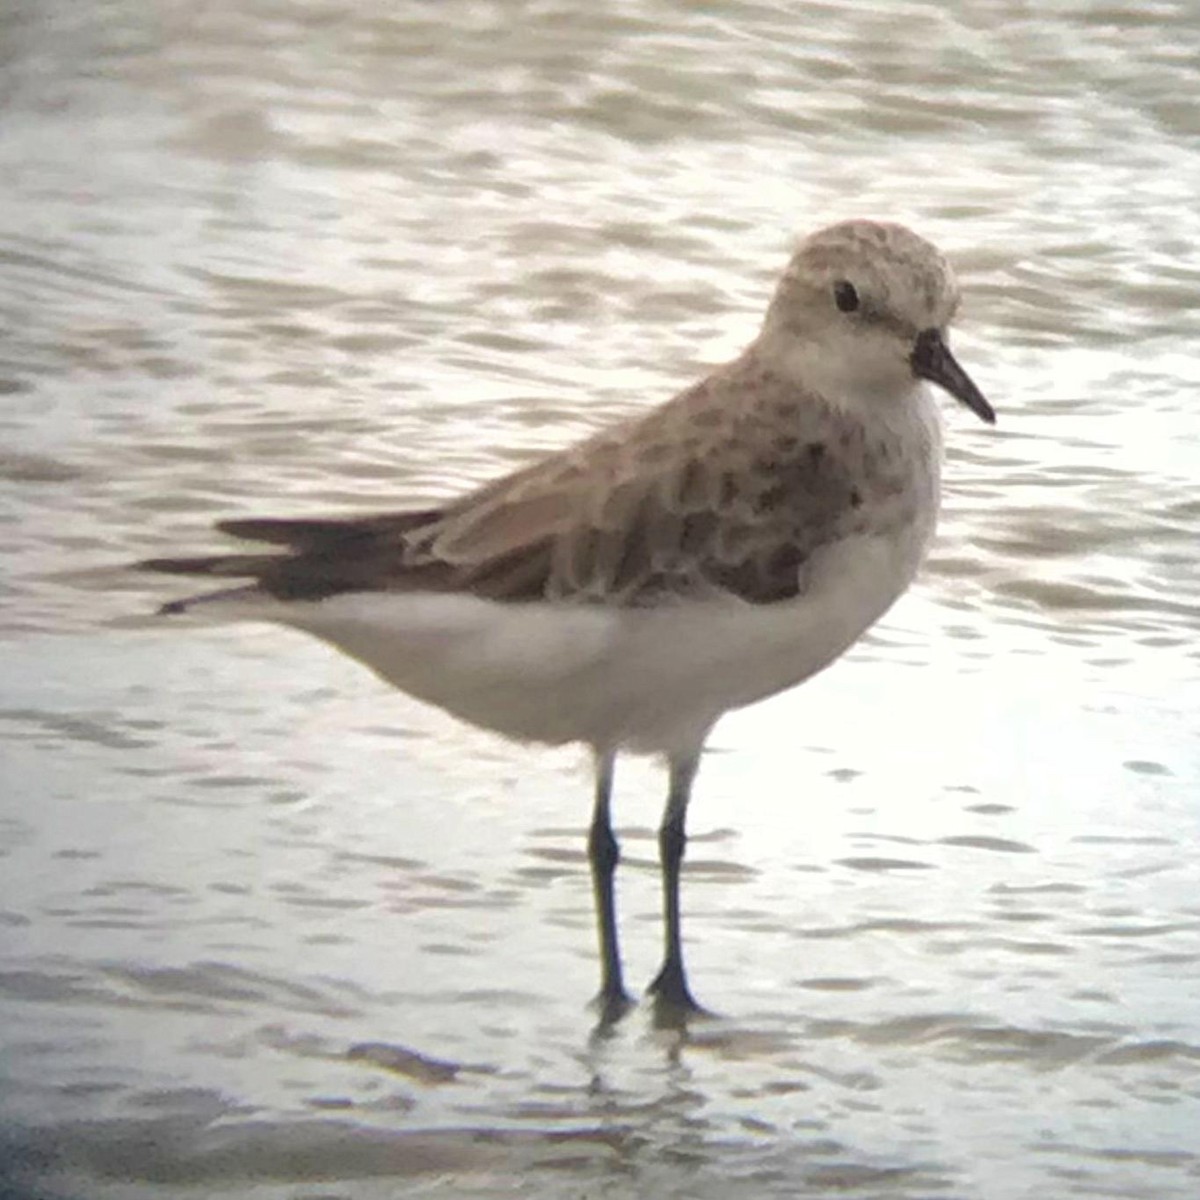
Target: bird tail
(216, 566)
(310, 558)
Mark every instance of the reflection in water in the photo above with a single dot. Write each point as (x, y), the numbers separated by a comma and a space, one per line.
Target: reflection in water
(269, 927)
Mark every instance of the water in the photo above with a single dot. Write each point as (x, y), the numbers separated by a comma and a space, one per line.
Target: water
(271, 930)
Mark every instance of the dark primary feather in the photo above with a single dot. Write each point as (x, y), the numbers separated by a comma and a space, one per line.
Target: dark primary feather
(299, 532)
(624, 517)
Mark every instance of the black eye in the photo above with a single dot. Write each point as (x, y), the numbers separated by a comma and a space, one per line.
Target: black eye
(844, 295)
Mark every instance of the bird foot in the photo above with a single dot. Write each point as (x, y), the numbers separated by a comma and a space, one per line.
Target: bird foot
(674, 1003)
(611, 1004)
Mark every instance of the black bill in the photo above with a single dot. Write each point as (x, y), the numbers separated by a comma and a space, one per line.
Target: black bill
(931, 359)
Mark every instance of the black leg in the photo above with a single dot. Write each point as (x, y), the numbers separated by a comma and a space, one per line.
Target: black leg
(670, 987)
(604, 854)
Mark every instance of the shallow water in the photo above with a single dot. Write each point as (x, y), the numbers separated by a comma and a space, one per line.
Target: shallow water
(269, 929)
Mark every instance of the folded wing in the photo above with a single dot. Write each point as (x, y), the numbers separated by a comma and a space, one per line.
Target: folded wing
(619, 519)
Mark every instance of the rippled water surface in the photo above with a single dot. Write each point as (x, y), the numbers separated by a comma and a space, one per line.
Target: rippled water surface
(270, 929)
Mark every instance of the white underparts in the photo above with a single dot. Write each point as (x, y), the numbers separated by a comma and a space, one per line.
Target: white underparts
(646, 679)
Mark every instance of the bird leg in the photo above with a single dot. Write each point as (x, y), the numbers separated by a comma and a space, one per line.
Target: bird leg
(604, 854)
(669, 987)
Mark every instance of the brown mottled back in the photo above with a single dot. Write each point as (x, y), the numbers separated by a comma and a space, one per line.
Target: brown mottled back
(635, 515)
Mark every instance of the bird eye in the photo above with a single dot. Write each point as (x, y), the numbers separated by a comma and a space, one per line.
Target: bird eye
(845, 296)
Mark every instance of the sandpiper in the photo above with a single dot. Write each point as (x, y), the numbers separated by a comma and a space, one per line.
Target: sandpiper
(627, 591)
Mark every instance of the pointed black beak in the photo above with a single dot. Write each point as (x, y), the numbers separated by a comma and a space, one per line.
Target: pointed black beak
(931, 359)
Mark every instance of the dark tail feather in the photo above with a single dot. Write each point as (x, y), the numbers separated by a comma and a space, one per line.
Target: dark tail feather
(320, 557)
(220, 566)
(217, 566)
(280, 531)
(174, 607)
(301, 533)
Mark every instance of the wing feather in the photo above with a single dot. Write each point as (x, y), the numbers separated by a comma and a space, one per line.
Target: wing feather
(704, 494)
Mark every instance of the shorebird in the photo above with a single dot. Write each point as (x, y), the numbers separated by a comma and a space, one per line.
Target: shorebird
(627, 591)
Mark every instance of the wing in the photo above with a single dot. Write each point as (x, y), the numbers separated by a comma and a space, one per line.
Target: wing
(707, 494)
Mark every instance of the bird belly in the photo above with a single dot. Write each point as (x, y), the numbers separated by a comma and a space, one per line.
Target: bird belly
(646, 679)
(689, 666)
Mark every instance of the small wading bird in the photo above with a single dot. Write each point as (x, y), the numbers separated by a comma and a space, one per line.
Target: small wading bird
(626, 591)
